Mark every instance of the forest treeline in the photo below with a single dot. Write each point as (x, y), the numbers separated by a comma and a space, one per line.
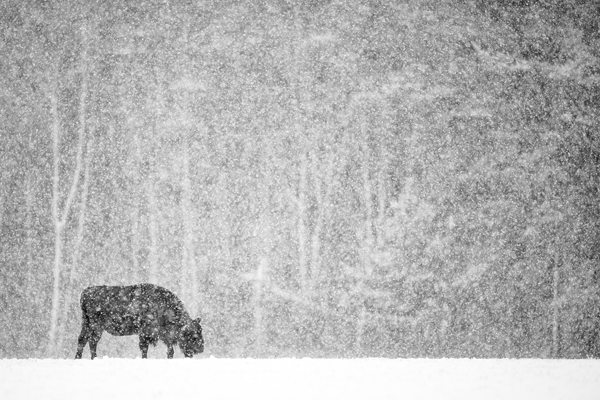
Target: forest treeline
(316, 178)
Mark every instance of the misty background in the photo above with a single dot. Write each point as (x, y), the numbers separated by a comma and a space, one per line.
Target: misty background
(312, 178)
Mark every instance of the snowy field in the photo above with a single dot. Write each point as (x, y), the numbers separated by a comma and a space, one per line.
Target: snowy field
(211, 378)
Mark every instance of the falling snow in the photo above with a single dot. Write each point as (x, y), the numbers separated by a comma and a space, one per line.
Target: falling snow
(333, 179)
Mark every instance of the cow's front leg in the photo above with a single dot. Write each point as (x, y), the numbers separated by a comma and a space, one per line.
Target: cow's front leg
(170, 350)
(144, 343)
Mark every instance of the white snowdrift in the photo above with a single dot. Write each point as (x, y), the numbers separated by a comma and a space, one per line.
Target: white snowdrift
(307, 379)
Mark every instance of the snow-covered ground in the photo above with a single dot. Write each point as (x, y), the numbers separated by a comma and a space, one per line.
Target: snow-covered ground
(307, 379)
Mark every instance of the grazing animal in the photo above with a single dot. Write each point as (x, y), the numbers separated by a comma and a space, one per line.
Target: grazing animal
(147, 310)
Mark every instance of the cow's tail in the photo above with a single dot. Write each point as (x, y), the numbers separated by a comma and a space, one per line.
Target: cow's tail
(84, 311)
(85, 327)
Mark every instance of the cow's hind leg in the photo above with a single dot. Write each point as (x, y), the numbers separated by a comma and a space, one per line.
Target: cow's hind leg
(95, 336)
(84, 336)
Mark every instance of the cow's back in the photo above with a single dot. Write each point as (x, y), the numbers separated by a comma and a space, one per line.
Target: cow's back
(126, 310)
(95, 297)
(167, 305)
(111, 308)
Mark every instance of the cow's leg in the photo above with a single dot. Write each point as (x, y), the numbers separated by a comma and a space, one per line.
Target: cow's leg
(95, 336)
(170, 350)
(144, 343)
(84, 336)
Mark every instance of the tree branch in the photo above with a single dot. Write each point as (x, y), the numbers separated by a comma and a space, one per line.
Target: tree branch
(82, 126)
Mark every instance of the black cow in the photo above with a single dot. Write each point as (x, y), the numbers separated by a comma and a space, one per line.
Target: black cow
(147, 310)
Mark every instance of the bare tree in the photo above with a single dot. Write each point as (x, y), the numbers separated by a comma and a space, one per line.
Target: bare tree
(30, 192)
(302, 228)
(366, 238)
(152, 179)
(555, 308)
(61, 214)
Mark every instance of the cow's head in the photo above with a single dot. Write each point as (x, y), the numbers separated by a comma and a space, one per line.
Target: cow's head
(191, 341)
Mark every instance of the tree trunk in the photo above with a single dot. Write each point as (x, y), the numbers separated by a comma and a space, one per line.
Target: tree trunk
(55, 215)
(29, 204)
(71, 291)
(323, 190)
(315, 247)
(151, 184)
(257, 302)
(302, 230)
(135, 210)
(367, 238)
(2, 197)
(265, 244)
(82, 210)
(381, 201)
(152, 228)
(263, 233)
(189, 278)
(60, 218)
(555, 310)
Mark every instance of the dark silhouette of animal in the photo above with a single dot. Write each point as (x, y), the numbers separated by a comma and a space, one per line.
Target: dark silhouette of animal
(152, 312)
